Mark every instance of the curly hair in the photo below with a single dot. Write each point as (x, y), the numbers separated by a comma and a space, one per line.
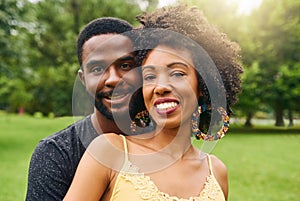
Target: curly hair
(191, 23)
(191, 26)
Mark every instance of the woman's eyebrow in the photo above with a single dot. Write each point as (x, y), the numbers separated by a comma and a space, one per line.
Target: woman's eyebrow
(151, 67)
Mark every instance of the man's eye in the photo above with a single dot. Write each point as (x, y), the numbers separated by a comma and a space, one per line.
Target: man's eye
(126, 66)
(97, 69)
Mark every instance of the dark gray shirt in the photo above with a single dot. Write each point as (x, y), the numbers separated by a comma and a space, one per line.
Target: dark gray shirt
(55, 159)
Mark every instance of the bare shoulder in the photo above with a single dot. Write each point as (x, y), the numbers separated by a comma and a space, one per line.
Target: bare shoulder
(220, 172)
(105, 142)
(108, 149)
(218, 165)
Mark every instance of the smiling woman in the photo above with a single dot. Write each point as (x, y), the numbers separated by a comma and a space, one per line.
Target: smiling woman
(170, 86)
(180, 82)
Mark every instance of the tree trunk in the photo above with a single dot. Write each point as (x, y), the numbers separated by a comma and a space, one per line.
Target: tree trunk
(248, 120)
(279, 117)
(290, 114)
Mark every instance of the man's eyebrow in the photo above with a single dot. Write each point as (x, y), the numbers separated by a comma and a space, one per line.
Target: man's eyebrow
(93, 63)
(126, 57)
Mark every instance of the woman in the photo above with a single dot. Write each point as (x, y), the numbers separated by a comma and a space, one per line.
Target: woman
(162, 164)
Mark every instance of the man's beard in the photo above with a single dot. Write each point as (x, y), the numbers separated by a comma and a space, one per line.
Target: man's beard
(105, 111)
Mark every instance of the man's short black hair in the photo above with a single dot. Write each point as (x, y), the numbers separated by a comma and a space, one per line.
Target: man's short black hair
(104, 25)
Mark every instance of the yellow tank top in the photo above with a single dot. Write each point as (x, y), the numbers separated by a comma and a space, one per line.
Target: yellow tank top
(134, 186)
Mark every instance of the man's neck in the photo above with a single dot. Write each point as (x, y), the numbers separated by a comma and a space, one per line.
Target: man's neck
(104, 125)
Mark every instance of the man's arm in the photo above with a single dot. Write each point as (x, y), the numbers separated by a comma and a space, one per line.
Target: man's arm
(50, 172)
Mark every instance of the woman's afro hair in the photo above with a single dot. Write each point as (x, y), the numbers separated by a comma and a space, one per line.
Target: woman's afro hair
(191, 23)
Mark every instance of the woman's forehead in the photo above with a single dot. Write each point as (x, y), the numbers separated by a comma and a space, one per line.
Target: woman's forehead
(163, 53)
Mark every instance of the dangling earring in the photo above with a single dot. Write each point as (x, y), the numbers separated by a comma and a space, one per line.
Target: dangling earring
(195, 123)
(141, 119)
(199, 134)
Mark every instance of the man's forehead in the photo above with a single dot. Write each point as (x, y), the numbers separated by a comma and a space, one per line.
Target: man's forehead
(107, 47)
(106, 40)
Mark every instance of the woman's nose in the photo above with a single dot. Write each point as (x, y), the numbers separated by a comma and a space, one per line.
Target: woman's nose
(162, 87)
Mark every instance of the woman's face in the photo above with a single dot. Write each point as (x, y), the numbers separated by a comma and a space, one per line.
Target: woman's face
(169, 86)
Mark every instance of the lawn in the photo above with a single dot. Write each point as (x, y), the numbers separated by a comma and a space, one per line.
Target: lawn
(263, 164)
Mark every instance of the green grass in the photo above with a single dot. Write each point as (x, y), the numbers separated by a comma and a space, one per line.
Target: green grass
(18, 137)
(263, 164)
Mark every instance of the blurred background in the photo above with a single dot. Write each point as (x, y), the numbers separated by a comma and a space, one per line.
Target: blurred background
(39, 62)
(38, 67)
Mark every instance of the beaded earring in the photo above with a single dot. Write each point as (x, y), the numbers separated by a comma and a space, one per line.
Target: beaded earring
(201, 135)
(142, 119)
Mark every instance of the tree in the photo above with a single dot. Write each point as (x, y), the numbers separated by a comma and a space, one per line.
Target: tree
(278, 50)
(14, 62)
(269, 40)
(38, 49)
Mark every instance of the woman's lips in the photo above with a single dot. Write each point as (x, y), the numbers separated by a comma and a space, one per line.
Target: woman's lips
(166, 106)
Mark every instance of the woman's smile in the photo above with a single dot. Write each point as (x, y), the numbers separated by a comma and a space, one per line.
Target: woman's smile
(166, 106)
(169, 86)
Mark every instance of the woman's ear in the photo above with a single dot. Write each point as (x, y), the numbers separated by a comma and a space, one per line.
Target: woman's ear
(81, 76)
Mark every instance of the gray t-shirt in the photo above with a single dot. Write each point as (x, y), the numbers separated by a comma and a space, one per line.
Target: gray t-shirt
(55, 159)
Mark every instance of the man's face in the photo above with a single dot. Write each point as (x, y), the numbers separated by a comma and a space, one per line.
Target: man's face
(109, 73)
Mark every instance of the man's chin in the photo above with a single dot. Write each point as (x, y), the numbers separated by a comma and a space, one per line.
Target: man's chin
(120, 112)
(113, 113)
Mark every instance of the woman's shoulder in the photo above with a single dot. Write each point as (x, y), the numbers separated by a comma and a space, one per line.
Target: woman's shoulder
(217, 163)
(219, 170)
(108, 149)
(107, 141)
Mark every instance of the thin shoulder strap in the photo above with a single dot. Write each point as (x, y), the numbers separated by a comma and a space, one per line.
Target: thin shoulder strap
(210, 165)
(125, 148)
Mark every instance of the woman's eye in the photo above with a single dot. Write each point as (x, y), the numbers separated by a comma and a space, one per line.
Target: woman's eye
(149, 77)
(177, 74)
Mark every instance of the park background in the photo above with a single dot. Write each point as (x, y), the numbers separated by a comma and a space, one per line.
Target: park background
(38, 67)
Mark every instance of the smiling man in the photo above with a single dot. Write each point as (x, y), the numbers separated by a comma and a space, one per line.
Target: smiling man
(109, 75)
(107, 70)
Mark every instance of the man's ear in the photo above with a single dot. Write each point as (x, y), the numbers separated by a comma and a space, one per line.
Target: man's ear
(81, 76)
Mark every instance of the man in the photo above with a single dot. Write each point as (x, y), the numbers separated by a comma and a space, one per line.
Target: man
(107, 72)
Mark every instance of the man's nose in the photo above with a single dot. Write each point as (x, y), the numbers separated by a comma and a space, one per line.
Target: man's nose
(112, 77)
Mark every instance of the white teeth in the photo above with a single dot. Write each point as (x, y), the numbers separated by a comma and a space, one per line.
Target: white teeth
(116, 97)
(166, 105)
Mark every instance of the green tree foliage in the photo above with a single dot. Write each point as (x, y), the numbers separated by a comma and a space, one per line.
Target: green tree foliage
(38, 47)
(39, 62)
(13, 54)
(277, 48)
(270, 40)
(249, 102)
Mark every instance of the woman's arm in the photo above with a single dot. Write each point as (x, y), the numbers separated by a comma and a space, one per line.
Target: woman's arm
(90, 180)
(103, 158)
